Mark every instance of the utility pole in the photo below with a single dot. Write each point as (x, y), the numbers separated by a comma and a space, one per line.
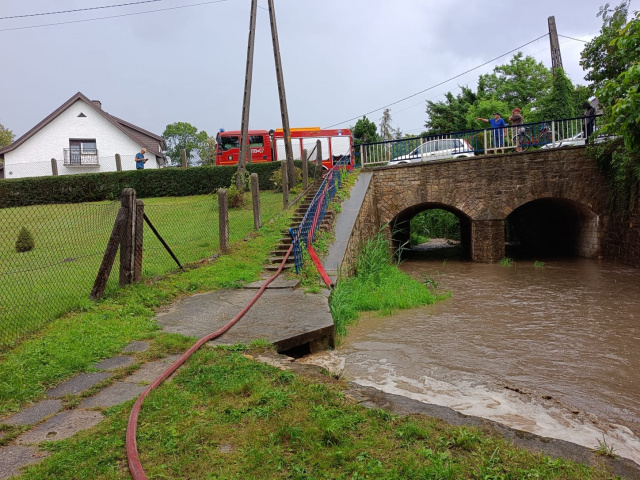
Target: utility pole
(246, 102)
(283, 98)
(556, 58)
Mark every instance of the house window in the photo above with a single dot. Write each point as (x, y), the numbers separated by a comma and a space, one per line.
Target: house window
(81, 152)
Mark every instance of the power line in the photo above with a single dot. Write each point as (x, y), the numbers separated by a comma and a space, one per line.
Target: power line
(576, 39)
(113, 16)
(78, 10)
(438, 84)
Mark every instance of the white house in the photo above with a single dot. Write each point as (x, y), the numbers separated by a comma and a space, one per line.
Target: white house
(82, 138)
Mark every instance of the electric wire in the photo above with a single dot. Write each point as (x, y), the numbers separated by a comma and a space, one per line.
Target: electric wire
(78, 10)
(576, 39)
(113, 16)
(438, 84)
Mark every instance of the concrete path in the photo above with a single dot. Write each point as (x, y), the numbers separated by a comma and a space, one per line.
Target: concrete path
(284, 315)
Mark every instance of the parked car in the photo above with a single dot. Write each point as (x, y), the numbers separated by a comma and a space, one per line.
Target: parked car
(578, 140)
(436, 150)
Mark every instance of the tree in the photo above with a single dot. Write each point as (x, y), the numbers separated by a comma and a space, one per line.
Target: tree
(184, 136)
(450, 115)
(208, 152)
(387, 132)
(620, 95)
(602, 60)
(523, 82)
(485, 109)
(6, 136)
(560, 103)
(365, 131)
(520, 83)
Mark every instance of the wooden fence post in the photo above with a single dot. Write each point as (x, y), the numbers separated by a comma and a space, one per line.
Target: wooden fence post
(291, 171)
(54, 167)
(285, 183)
(138, 242)
(127, 247)
(305, 170)
(255, 197)
(319, 153)
(223, 220)
(183, 154)
(118, 163)
(109, 255)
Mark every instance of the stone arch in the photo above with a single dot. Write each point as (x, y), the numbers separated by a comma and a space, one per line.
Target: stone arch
(400, 234)
(555, 226)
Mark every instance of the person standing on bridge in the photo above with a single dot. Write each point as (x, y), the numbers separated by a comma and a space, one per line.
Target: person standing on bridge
(589, 119)
(516, 120)
(498, 125)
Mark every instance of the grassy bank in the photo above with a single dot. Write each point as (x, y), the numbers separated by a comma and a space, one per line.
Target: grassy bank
(379, 285)
(227, 416)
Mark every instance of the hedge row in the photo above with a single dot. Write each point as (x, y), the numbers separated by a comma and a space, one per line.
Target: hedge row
(91, 187)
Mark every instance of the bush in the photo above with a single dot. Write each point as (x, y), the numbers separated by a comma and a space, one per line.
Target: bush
(235, 197)
(92, 187)
(25, 242)
(276, 178)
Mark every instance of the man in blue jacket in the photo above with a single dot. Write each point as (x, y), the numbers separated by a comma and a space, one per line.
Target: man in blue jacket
(498, 125)
(140, 159)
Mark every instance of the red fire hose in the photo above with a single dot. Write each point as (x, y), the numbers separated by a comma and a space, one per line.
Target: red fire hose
(135, 466)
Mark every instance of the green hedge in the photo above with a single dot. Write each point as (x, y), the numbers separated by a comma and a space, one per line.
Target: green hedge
(91, 187)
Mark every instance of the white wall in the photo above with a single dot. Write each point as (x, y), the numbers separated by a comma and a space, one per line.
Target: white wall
(33, 158)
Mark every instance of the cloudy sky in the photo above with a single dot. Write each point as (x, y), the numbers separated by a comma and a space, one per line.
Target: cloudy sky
(164, 61)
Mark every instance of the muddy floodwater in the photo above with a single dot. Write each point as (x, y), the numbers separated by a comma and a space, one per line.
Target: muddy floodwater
(553, 350)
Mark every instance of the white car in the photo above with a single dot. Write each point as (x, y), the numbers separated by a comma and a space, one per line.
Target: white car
(436, 150)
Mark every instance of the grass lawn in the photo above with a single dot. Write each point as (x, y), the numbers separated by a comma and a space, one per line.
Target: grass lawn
(58, 274)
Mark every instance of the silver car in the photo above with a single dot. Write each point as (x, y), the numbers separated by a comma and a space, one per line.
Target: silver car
(578, 141)
(436, 150)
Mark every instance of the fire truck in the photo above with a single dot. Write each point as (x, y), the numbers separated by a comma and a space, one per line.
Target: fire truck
(268, 146)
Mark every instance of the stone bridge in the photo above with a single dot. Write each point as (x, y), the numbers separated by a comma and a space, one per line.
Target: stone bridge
(554, 201)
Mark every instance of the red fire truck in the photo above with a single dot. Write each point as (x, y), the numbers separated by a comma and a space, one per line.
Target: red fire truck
(268, 146)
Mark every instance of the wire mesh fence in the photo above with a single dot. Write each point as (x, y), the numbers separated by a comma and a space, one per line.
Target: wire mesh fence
(50, 254)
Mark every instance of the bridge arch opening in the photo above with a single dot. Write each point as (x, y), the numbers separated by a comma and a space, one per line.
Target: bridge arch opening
(552, 227)
(416, 229)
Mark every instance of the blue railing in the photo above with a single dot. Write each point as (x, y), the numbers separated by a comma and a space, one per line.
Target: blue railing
(548, 134)
(305, 233)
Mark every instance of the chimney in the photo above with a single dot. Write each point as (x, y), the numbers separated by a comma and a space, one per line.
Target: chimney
(97, 103)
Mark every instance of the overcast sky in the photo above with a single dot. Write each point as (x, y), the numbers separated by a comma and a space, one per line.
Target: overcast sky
(341, 58)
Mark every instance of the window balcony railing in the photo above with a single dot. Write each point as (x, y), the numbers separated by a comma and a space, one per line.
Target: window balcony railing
(80, 158)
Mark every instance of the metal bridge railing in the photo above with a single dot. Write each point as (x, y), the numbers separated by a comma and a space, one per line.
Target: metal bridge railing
(306, 231)
(548, 134)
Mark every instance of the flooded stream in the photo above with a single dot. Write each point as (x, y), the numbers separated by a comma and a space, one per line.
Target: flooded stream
(553, 350)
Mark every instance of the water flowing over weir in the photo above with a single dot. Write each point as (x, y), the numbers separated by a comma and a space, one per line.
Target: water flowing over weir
(551, 350)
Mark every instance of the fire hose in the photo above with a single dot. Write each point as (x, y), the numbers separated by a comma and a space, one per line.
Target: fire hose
(135, 467)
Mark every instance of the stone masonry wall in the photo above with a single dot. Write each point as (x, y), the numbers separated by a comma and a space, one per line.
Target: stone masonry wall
(622, 238)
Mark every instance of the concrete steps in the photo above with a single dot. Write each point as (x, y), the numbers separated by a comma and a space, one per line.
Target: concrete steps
(280, 250)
